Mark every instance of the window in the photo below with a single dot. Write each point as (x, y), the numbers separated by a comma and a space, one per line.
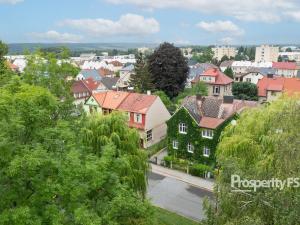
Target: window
(248, 79)
(149, 135)
(182, 128)
(190, 148)
(137, 118)
(208, 133)
(216, 90)
(206, 151)
(175, 144)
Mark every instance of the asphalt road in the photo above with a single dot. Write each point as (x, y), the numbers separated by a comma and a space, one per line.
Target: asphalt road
(177, 196)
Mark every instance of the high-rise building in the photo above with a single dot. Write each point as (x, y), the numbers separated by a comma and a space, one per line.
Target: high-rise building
(219, 52)
(266, 53)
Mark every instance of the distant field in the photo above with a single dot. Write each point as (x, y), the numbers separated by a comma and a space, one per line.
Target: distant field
(165, 217)
(15, 48)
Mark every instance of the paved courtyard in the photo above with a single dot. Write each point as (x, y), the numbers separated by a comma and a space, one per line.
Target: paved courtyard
(177, 196)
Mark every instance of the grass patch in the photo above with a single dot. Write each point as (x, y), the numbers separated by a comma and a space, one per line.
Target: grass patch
(165, 217)
(156, 147)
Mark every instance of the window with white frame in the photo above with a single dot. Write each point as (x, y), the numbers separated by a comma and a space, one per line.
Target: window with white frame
(206, 151)
(206, 133)
(182, 128)
(137, 118)
(216, 89)
(175, 144)
(149, 135)
(248, 79)
(190, 148)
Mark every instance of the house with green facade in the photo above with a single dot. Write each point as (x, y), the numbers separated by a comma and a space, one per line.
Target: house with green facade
(195, 128)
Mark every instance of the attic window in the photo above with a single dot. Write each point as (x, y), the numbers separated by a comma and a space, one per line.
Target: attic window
(182, 128)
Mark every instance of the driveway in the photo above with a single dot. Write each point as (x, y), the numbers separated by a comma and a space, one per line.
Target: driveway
(177, 196)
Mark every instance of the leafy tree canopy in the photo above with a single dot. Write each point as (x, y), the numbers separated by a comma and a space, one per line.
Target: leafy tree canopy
(263, 145)
(229, 72)
(168, 69)
(244, 90)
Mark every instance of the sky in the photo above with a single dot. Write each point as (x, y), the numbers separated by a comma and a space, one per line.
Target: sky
(200, 22)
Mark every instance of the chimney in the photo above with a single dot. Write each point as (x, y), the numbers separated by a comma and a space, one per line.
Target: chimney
(148, 92)
(269, 75)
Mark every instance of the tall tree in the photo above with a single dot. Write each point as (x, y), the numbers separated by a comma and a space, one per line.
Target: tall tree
(5, 73)
(229, 72)
(168, 69)
(244, 90)
(264, 144)
(141, 79)
(56, 171)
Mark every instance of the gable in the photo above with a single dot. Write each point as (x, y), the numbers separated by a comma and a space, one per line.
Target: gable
(92, 101)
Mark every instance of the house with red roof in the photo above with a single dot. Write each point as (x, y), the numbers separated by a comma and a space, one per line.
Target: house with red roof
(146, 113)
(270, 88)
(218, 83)
(285, 69)
(194, 129)
(83, 89)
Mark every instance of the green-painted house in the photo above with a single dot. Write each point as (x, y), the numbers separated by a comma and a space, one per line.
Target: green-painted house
(194, 130)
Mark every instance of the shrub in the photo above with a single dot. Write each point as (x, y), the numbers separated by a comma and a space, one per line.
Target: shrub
(199, 170)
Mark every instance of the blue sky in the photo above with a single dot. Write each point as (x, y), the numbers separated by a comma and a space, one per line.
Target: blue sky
(151, 21)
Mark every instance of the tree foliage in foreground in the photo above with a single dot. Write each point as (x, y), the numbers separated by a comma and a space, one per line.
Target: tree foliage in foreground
(169, 69)
(76, 171)
(263, 145)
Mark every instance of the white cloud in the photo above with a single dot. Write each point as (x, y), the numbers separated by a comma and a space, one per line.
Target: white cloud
(54, 36)
(127, 25)
(295, 15)
(13, 2)
(221, 26)
(269, 11)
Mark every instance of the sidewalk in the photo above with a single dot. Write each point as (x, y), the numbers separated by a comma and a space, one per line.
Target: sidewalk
(192, 180)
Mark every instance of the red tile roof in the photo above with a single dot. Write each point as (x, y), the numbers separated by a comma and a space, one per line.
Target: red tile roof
(211, 123)
(139, 103)
(116, 63)
(285, 65)
(220, 78)
(110, 99)
(88, 85)
(125, 101)
(292, 85)
(91, 84)
(105, 72)
(266, 83)
(288, 85)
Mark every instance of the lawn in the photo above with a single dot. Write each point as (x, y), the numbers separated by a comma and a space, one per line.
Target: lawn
(165, 217)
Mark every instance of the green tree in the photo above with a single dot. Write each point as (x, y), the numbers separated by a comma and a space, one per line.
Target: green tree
(141, 79)
(75, 171)
(263, 145)
(166, 100)
(229, 72)
(205, 56)
(198, 89)
(244, 90)
(5, 73)
(169, 69)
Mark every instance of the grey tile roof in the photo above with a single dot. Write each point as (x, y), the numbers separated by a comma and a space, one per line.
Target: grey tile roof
(109, 82)
(91, 73)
